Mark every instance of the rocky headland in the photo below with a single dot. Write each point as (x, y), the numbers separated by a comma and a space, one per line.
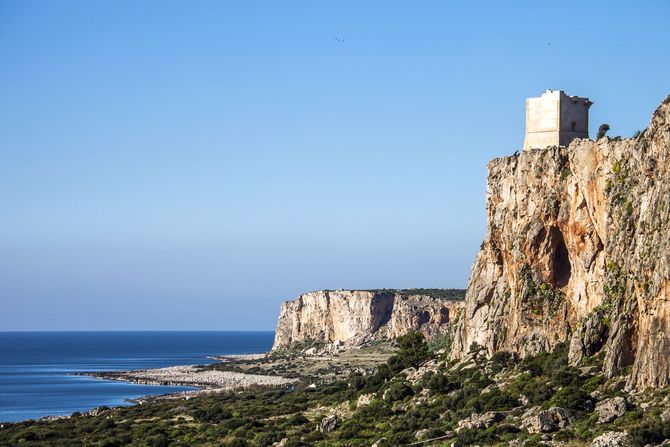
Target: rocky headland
(342, 319)
(576, 251)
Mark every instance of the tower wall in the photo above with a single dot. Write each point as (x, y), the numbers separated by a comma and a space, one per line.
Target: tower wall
(574, 122)
(555, 119)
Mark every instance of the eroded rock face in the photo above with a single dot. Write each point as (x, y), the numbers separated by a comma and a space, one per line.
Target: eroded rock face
(589, 337)
(352, 317)
(576, 251)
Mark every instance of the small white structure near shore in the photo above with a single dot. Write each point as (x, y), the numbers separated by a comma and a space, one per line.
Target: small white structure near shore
(555, 119)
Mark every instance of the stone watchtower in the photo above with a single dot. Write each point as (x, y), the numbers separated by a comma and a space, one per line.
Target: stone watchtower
(555, 119)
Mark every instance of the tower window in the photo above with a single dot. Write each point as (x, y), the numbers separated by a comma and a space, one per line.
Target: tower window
(574, 125)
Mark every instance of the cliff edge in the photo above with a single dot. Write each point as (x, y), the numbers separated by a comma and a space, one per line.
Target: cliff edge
(353, 317)
(576, 251)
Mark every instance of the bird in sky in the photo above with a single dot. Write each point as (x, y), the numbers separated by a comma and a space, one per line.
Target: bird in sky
(338, 39)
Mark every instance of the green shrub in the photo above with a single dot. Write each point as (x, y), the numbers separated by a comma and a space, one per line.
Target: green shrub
(237, 442)
(266, 439)
(111, 442)
(475, 436)
(212, 413)
(397, 391)
(501, 360)
(497, 400)
(650, 432)
(439, 383)
(350, 429)
(296, 420)
(158, 440)
(571, 397)
(357, 381)
(413, 349)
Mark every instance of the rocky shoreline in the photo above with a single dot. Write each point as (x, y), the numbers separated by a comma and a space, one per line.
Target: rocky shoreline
(238, 357)
(205, 381)
(193, 376)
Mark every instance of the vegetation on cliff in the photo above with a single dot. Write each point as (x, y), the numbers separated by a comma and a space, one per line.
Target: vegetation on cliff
(443, 294)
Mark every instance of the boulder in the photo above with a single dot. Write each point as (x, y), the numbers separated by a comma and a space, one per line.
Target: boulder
(610, 409)
(328, 423)
(480, 421)
(547, 421)
(612, 439)
(415, 375)
(665, 416)
(281, 443)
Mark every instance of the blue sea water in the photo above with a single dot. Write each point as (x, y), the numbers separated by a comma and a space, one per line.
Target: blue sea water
(34, 366)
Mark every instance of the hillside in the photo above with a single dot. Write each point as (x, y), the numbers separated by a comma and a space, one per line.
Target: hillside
(415, 398)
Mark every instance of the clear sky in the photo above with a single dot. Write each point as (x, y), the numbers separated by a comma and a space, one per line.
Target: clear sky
(190, 165)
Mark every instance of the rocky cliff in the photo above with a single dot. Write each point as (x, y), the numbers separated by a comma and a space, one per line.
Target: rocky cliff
(352, 317)
(576, 251)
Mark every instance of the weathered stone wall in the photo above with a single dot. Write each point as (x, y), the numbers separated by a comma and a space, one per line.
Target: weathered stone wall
(574, 119)
(576, 250)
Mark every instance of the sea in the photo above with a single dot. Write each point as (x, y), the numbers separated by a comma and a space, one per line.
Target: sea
(35, 367)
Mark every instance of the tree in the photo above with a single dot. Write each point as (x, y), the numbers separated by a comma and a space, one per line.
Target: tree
(413, 350)
(602, 130)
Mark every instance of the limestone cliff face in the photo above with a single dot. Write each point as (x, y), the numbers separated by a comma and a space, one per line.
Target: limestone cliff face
(355, 316)
(576, 250)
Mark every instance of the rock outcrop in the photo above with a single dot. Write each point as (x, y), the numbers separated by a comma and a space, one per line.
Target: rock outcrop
(612, 439)
(328, 423)
(546, 421)
(610, 409)
(480, 421)
(576, 251)
(352, 317)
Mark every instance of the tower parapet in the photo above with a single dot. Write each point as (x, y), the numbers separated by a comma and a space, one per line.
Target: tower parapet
(555, 119)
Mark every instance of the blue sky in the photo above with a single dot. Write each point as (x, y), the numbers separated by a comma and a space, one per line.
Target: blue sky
(189, 165)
